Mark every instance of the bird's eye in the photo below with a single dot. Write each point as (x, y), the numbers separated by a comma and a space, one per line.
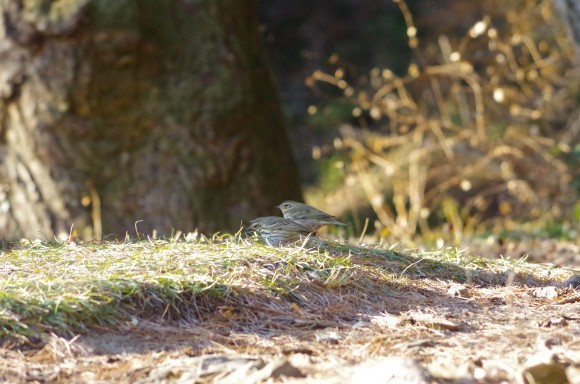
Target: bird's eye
(287, 205)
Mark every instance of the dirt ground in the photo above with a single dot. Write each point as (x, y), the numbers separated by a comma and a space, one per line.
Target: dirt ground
(432, 330)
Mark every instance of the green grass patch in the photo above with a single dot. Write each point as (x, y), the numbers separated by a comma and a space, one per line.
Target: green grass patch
(69, 288)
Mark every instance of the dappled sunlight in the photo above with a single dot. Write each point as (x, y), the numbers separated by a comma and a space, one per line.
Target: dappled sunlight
(472, 135)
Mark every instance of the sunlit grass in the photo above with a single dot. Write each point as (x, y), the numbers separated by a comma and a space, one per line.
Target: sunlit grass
(67, 288)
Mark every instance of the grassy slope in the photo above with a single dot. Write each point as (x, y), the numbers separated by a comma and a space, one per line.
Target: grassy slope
(67, 289)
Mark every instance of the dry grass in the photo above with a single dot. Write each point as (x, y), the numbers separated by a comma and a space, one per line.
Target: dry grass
(150, 311)
(473, 134)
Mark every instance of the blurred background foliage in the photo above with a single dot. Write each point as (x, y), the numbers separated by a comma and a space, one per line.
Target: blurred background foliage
(438, 118)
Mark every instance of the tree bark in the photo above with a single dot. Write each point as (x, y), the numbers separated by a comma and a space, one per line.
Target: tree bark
(114, 112)
(569, 11)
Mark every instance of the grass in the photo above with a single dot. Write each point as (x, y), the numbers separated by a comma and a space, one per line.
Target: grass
(68, 288)
(156, 310)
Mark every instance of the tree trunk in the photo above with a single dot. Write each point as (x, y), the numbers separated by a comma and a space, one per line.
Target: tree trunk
(123, 111)
(569, 11)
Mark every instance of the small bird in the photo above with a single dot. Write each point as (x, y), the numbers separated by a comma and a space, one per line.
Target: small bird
(278, 231)
(306, 215)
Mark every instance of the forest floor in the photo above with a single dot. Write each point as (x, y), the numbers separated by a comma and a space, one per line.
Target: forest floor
(226, 310)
